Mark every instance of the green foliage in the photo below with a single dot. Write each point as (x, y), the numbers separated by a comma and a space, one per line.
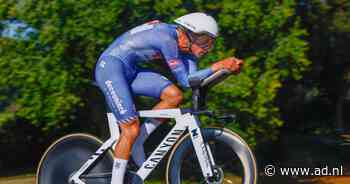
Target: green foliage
(268, 36)
(44, 80)
(318, 97)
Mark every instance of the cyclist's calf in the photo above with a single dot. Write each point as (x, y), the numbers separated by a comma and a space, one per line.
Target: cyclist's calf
(130, 130)
(128, 135)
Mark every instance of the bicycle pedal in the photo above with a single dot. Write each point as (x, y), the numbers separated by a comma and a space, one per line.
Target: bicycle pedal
(132, 178)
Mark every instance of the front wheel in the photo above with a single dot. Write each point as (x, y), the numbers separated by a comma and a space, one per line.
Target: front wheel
(234, 161)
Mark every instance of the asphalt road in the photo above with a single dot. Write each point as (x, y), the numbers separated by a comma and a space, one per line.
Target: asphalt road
(272, 180)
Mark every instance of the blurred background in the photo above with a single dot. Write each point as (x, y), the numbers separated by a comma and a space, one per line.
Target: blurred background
(292, 97)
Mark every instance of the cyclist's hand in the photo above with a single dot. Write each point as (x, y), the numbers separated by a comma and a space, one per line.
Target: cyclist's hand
(233, 64)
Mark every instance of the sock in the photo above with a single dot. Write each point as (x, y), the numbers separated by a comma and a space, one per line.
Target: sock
(138, 152)
(118, 172)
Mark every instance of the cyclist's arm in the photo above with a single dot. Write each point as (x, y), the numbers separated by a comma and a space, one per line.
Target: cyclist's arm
(170, 52)
(180, 72)
(193, 70)
(183, 72)
(177, 63)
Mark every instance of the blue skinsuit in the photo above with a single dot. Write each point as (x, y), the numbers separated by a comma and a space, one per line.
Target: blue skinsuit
(118, 73)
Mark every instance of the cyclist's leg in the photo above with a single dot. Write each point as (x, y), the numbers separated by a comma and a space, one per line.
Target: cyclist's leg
(171, 97)
(148, 83)
(111, 78)
(154, 85)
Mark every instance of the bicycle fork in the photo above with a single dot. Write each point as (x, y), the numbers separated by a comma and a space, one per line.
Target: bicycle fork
(202, 149)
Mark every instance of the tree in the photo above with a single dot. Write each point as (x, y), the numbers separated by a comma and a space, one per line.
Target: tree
(322, 94)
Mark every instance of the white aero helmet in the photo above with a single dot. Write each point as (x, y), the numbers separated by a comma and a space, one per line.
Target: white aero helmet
(199, 23)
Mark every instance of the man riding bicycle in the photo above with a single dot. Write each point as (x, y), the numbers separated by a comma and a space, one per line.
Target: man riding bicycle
(119, 76)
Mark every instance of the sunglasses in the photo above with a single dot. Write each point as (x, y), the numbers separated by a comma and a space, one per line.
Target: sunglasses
(204, 41)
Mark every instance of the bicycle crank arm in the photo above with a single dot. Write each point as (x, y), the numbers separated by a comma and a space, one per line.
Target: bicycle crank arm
(97, 175)
(75, 181)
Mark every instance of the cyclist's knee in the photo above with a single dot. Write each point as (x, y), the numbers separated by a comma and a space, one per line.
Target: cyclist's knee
(130, 130)
(176, 97)
(173, 95)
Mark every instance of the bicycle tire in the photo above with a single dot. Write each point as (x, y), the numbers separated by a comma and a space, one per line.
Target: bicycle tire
(225, 136)
(67, 155)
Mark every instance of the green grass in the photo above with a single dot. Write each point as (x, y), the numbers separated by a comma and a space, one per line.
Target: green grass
(153, 182)
(22, 179)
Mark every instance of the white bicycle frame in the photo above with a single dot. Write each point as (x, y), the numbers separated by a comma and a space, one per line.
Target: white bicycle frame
(184, 121)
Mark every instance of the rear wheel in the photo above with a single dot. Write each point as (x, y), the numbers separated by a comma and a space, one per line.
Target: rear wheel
(67, 155)
(235, 162)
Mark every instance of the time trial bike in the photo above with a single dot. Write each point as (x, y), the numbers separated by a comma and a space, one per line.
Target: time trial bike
(211, 155)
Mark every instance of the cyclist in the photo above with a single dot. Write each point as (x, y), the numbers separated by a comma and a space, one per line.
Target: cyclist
(119, 75)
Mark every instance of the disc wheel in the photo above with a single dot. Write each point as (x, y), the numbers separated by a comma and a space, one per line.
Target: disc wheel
(66, 155)
(234, 161)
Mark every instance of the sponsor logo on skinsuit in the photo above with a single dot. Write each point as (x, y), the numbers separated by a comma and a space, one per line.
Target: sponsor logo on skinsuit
(102, 63)
(118, 102)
